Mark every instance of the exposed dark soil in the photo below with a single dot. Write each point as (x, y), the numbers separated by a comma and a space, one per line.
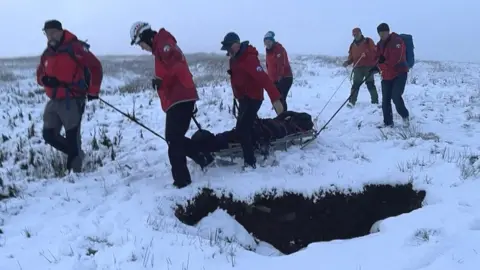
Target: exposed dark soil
(290, 221)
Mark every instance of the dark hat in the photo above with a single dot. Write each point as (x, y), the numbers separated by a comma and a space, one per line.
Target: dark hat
(270, 35)
(52, 24)
(383, 27)
(229, 39)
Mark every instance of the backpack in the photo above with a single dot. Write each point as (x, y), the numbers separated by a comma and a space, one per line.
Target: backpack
(69, 50)
(410, 55)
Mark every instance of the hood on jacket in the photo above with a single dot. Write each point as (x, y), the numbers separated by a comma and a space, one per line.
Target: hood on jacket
(246, 49)
(162, 36)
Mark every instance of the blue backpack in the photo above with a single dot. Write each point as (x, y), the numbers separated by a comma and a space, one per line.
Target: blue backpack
(410, 55)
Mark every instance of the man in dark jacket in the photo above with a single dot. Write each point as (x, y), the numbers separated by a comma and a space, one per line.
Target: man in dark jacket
(70, 73)
(248, 80)
(178, 94)
(392, 63)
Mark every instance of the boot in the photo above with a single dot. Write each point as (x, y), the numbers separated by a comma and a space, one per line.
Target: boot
(181, 179)
(75, 163)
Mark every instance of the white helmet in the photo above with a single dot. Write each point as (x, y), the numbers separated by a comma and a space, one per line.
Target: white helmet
(136, 30)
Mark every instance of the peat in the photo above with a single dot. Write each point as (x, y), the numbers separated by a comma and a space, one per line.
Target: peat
(290, 221)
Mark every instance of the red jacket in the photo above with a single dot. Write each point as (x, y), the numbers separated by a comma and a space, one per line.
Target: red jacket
(172, 68)
(278, 65)
(367, 46)
(71, 63)
(394, 51)
(248, 78)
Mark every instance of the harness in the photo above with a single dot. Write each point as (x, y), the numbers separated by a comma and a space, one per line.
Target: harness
(82, 84)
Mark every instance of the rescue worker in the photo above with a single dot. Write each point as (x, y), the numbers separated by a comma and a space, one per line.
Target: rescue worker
(362, 54)
(70, 73)
(248, 79)
(178, 94)
(278, 66)
(393, 66)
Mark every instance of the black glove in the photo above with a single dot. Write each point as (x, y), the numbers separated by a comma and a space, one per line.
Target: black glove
(156, 83)
(381, 59)
(374, 70)
(91, 97)
(229, 72)
(51, 82)
(195, 110)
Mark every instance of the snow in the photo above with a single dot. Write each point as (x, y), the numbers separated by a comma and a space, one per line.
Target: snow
(122, 211)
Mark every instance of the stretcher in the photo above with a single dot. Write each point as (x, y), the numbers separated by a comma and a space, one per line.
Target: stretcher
(234, 150)
(269, 134)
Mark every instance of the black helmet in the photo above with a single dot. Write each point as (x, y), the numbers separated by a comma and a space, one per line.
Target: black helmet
(229, 39)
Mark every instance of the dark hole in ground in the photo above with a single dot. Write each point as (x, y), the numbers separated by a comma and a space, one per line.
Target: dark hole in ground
(289, 221)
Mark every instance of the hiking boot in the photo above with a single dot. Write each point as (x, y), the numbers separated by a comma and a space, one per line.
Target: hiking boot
(203, 160)
(182, 184)
(181, 179)
(207, 160)
(77, 162)
(406, 122)
(385, 126)
(248, 165)
(350, 105)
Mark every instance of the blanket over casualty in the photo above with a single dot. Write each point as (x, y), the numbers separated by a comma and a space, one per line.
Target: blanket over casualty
(264, 131)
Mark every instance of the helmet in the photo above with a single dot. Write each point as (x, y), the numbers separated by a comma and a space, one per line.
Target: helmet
(136, 30)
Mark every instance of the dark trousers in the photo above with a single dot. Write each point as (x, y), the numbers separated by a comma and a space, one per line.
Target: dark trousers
(179, 147)
(67, 114)
(360, 75)
(392, 90)
(283, 87)
(247, 114)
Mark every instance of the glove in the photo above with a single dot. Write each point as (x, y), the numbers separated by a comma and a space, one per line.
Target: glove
(374, 70)
(345, 64)
(381, 59)
(278, 106)
(156, 83)
(51, 82)
(229, 72)
(195, 110)
(91, 97)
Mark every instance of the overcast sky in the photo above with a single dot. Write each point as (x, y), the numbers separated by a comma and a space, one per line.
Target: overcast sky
(442, 29)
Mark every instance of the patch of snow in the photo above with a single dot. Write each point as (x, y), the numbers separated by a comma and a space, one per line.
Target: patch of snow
(118, 214)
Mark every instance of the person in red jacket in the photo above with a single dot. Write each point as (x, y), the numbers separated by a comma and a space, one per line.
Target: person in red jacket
(392, 63)
(70, 73)
(248, 79)
(362, 54)
(178, 94)
(278, 66)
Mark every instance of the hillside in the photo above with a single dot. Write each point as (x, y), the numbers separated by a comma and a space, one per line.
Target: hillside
(120, 213)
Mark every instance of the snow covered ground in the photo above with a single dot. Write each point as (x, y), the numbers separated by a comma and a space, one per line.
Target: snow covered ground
(118, 215)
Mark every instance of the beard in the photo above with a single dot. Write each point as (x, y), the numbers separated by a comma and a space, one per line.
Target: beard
(53, 43)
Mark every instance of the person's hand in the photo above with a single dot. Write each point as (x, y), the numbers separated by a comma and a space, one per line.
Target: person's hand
(156, 83)
(381, 59)
(278, 106)
(363, 55)
(345, 64)
(91, 97)
(374, 70)
(51, 82)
